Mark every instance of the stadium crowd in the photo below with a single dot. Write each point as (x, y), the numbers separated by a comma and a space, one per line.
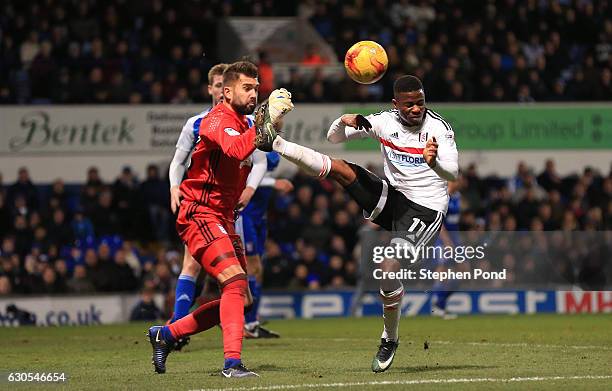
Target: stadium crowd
(59, 51)
(106, 237)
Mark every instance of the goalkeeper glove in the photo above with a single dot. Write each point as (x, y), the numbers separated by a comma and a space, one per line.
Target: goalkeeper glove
(268, 115)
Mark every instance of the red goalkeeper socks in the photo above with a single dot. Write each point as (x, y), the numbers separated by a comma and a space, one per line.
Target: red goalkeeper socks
(232, 315)
(203, 318)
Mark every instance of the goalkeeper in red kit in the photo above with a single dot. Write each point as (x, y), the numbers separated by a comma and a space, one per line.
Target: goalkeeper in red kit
(215, 180)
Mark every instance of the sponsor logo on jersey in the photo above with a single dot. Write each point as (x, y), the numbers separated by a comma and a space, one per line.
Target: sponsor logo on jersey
(423, 137)
(231, 132)
(222, 229)
(404, 159)
(394, 135)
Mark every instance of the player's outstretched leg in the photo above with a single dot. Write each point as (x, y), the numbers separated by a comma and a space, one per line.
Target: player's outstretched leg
(164, 338)
(391, 293)
(366, 189)
(233, 293)
(185, 296)
(161, 348)
(309, 160)
(224, 259)
(441, 291)
(252, 327)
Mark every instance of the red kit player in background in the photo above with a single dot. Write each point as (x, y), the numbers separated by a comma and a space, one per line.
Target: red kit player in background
(215, 180)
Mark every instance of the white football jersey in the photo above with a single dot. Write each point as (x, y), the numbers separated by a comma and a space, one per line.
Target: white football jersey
(402, 149)
(189, 133)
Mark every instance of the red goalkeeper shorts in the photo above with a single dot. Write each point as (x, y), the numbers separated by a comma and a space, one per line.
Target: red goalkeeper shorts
(211, 239)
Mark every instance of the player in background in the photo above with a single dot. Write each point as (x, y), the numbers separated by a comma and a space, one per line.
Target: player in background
(215, 180)
(187, 286)
(449, 236)
(252, 226)
(419, 157)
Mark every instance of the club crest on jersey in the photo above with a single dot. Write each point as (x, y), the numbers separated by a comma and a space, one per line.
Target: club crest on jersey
(231, 132)
(423, 137)
(223, 231)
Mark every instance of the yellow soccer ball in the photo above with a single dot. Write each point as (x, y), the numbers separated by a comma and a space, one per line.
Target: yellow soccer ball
(366, 62)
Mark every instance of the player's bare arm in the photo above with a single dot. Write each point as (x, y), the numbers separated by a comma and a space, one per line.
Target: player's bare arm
(245, 198)
(356, 121)
(284, 186)
(175, 198)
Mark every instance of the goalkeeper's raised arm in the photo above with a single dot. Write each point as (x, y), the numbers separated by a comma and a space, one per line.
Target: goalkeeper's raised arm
(268, 117)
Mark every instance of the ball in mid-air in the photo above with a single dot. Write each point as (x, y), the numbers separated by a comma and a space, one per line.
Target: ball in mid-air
(366, 62)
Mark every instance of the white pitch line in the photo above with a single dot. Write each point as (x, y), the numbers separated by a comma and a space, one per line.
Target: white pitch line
(411, 382)
(502, 344)
(524, 344)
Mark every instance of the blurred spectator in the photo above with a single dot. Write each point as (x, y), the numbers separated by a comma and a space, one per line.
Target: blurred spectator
(127, 202)
(295, 84)
(549, 179)
(61, 268)
(317, 274)
(59, 231)
(156, 196)
(5, 286)
(120, 89)
(300, 278)
(42, 73)
(29, 49)
(82, 228)
(124, 275)
(5, 216)
(51, 283)
(23, 188)
(94, 271)
(313, 56)
(266, 75)
(146, 309)
(277, 268)
(317, 232)
(80, 283)
(22, 235)
(58, 198)
(104, 215)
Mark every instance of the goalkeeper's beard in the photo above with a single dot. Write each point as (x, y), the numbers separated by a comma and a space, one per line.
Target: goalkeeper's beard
(245, 109)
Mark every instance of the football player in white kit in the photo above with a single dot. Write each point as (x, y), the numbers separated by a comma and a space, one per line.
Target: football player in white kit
(420, 157)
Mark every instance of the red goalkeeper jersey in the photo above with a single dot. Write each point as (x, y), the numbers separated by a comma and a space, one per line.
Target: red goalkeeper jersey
(220, 162)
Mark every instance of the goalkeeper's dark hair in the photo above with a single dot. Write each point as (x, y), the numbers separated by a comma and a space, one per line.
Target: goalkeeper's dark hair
(234, 70)
(407, 83)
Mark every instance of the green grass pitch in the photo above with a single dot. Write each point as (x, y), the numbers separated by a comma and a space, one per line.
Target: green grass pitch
(550, 352)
